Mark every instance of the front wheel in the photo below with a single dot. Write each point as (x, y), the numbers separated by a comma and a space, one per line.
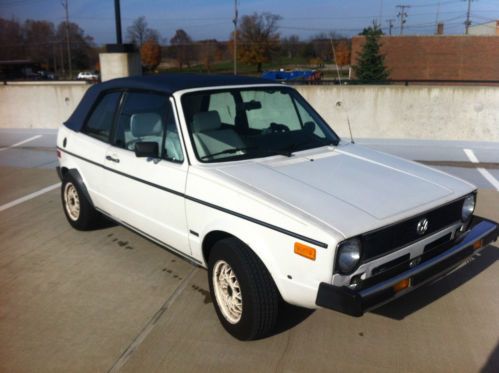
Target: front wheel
(244, 295)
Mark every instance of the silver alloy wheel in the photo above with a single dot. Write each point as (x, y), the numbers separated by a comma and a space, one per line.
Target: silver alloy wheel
(227, 291)
(71, 201)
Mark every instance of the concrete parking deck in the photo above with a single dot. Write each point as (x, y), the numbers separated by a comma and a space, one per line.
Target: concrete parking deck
(108, 300)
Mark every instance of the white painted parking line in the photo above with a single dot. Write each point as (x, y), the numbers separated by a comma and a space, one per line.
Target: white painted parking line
(29, 196)
(21, 142)
(471, 156)
(486, 174)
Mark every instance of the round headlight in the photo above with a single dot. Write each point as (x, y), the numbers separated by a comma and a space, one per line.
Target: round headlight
(348, 255)
(468, 207)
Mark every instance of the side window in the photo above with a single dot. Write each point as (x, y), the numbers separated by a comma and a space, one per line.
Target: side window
(148, 117)
(100, 122)
(225, 105)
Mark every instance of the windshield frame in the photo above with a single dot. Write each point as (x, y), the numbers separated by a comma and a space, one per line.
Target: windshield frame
(331, 137)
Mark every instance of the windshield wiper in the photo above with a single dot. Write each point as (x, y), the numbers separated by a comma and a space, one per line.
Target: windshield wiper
(291, 148)
(228, 151)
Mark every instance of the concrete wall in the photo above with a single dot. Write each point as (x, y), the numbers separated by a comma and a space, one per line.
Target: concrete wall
(119, 65)
(396, 112)
(414, 112)
(38, 104)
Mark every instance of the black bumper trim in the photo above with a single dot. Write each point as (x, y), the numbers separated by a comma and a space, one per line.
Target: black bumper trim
(59, 173)
(355, 303)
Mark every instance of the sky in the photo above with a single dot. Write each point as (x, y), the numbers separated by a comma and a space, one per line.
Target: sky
(212, 19)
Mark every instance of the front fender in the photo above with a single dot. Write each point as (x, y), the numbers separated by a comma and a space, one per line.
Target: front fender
(296, 277)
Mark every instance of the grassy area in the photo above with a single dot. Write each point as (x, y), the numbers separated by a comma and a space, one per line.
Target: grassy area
(227, 67)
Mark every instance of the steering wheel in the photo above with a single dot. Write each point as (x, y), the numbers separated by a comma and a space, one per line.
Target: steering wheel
(276, 128)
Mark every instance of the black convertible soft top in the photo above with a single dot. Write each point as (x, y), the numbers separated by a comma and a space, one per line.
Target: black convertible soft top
(164, 83)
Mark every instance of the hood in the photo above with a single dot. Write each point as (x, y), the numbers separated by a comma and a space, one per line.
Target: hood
(350, 188)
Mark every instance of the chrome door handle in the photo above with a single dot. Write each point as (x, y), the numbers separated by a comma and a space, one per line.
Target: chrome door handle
(115, 160)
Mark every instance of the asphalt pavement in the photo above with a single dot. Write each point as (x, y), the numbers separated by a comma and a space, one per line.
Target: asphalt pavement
(109, 300)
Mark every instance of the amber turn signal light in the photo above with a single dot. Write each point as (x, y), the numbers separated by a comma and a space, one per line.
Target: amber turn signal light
(305, 251)
(477, 245)
(404, 284)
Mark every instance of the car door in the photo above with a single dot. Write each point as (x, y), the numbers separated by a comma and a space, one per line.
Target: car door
(90, 146)
(147, 193)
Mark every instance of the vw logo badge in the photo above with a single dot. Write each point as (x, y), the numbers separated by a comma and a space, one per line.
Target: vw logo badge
(422, 226)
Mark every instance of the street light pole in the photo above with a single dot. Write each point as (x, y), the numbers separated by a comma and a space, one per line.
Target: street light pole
(117, 17)
(68, 42)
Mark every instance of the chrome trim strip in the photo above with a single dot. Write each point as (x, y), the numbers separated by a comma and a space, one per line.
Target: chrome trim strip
(478, 232)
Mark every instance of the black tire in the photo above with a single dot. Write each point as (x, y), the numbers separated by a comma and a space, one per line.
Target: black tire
(85, 217)
(260, 297)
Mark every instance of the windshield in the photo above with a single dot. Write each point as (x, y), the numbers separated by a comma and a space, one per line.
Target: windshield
(227, 125)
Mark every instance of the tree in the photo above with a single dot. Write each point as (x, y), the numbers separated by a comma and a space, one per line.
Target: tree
(257, 38)
(208, 51)
(321, 44)
(343, 52)
(291, 46)
(370, 66)
(372, 30)
(138, 33)
(11, 40)
(150, 54)
(40, 41)
(83, 52)
(182, 47)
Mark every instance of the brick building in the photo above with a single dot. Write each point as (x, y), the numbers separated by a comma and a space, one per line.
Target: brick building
(439, 57)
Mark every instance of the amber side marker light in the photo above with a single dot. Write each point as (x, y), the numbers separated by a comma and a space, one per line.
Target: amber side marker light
(404, 284)
(477, 245)
(305, 251)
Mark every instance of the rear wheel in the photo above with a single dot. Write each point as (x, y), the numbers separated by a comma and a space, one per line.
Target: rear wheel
(77, 208)
(244, 295)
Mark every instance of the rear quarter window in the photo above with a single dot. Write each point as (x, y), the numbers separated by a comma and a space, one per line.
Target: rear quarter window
(100, 121)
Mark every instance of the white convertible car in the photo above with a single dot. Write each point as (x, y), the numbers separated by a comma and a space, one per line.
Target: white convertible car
(242, 177)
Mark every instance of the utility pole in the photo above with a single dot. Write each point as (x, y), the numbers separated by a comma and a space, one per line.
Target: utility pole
(380, 14)
(467, 23)
(390, 25)
(235, 36)
(402, 14)
(68, 42)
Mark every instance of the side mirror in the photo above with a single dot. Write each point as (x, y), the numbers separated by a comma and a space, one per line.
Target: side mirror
(147, 149)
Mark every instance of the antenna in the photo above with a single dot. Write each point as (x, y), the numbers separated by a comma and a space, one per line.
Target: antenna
(339, 103)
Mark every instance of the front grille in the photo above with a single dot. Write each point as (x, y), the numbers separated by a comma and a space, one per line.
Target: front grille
(386, 240)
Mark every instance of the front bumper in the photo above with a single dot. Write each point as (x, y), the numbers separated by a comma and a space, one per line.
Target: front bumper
(356, 302)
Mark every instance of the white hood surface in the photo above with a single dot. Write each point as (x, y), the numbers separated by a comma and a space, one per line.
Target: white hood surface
(349, 186)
